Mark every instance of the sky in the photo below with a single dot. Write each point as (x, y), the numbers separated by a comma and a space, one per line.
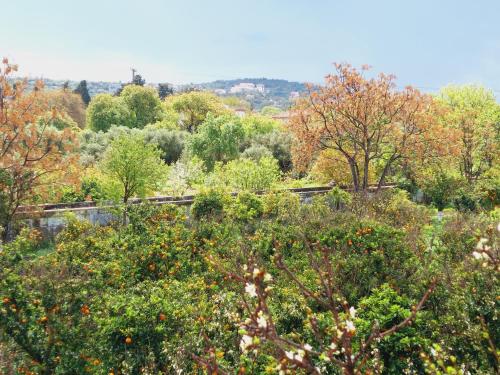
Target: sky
(425, 43)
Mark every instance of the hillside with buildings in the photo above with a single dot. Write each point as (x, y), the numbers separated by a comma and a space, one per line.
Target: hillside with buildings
(259, 92)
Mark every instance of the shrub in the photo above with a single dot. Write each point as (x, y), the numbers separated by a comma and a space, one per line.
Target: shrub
(246, 174)
(281, 205)
(440, 188)
(246, 206)
(337, 198)
(208, 204)
(380, 250)
(91, 189)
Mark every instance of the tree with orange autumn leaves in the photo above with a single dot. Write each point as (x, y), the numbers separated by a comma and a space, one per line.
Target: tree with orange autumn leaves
(33, 155)
(368, 125)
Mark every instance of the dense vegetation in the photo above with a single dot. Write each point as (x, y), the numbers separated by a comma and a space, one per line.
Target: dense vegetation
(359, 282)
(257, 283)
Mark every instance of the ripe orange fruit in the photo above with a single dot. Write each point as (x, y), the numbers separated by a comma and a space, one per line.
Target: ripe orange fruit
(162, 317)
(85, 310)
(6, 300)
(128, 340)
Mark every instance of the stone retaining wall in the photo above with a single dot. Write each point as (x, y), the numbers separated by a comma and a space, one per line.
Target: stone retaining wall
(50, 219)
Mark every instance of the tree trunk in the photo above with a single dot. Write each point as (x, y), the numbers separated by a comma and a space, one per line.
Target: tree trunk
(366, 171)
(354, 174)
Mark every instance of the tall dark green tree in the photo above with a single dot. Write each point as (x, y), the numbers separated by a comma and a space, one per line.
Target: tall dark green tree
(138, 80)
(83, 91)
(164, 90)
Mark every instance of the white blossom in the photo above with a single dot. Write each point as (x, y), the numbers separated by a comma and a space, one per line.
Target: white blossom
(477, 255)
(262, 322)
(245, 342)
(352, 312)
(481, 245)
(299, 356)
(256, 272)
(480, 255)
(251, 290)
(308, 347)
(349, 325)
(268, 277)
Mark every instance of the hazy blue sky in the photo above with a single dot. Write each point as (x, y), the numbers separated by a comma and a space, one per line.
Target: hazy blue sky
(427, 43)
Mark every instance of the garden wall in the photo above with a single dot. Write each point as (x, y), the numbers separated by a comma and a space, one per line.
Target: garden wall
(50, 219)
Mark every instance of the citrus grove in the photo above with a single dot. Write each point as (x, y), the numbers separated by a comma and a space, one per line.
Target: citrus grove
(362, 279)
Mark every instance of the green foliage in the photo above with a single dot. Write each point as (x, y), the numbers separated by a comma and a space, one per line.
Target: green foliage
(91, 189)
(399, 352)
(143, 103)
(474, 114)
(281, 205)
(246, 174)
(256, 152)
(209, 204)
(246, 207)
(279, 143)
(440, 187)
(194, 107)
(269, 110)
(170, 142)
(256, 125)
(337, 198)
(378, 249)
(132, 167)
(105, 110)
(147, 296)
(217, 140)
(60, 121)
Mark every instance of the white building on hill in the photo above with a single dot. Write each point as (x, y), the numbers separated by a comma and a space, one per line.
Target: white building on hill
(247, 87)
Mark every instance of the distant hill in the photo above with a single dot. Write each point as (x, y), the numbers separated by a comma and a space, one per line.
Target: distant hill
(276, 91)
(275, 87)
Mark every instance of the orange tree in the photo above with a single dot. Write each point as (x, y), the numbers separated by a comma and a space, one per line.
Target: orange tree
(33, 155)
(368, 123)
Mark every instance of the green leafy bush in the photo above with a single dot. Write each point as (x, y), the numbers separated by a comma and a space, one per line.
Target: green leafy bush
(208, 204)
(246, 174)
(246, 206)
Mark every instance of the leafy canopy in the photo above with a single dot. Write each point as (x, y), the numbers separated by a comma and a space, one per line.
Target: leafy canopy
(218, 140)
(133, 167)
